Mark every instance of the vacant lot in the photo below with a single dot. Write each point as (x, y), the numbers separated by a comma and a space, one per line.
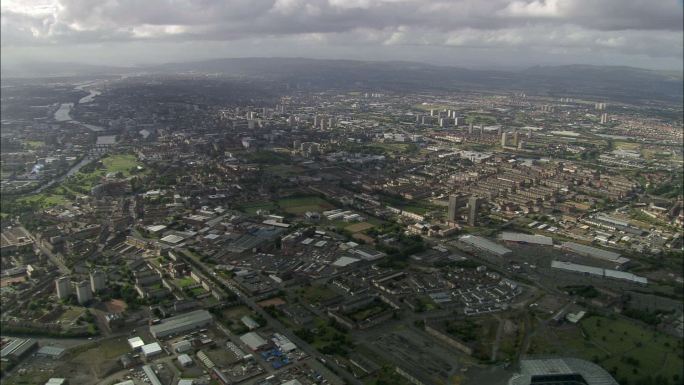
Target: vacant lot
(359, 227)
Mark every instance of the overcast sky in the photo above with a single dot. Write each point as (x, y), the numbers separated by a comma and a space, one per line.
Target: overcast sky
(467, 33)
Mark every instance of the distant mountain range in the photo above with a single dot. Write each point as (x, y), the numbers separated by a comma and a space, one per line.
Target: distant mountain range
(610, 82)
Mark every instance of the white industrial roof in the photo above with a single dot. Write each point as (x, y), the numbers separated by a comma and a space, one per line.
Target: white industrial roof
(527, 238)
(155, 228)
(184, 359)
(484, 244)
(344, 261)
(595, 252)
(253, 340)
(172, 238)
(607, 273)
(135, 342)
(151, 349)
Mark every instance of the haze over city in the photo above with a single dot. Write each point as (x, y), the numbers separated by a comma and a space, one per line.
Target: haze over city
(341, 192)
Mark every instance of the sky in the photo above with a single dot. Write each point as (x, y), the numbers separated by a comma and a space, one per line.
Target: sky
(463, 33)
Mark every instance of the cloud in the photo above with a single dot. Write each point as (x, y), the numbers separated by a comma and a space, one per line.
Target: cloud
(631, 27)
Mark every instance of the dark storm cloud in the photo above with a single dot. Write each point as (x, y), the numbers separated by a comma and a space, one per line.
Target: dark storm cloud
(632, 27)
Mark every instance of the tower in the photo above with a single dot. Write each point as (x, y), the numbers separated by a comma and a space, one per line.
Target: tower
(455, 203)
(83, 292)
(473, 206)
(97, 281)
(63, 285)
(504, 139)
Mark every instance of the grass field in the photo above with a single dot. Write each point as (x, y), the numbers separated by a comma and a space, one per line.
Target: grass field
(120, 163)
(45, 199)
(82, 182)
(626, 146)
(623, 347)
(34, 144)
(231, 318)
(252, 208)
(301, 205)
(71, 314)
(315, 293)
(284, 170)
(184, 282)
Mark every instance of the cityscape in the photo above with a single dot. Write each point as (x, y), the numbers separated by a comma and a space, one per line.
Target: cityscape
(301, 221)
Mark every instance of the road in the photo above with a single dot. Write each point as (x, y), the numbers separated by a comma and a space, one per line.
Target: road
(51, 256)
(277, 325)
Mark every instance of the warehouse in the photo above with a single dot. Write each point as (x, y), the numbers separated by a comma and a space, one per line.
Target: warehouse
(184, 360)
(151, 350)
(53, 352)
(253, 340)
(484, 245)
(181, 323)
(599, 272)
(151, 376)
(527, 238)
(135, 343)
(17, 348)
(593, 252)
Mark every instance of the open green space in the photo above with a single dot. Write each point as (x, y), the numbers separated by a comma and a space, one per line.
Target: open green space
(91, 174)
(630, 351)
(34, 144)
(626, 145)
(44, 200)
(300, 205)
(316, 293)
(71, 314)
(284, 170)
(231, 318)
(185, 281)
(394, 148)
(122, 163)
(252, 208)
(372, 309)
(359, 227)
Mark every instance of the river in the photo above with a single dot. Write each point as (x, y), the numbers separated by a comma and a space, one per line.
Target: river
(73, 170)
(63, 114)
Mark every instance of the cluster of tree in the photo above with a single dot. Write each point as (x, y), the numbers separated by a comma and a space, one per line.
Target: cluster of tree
(587, 291)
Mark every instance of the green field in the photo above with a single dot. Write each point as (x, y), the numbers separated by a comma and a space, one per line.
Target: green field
(301, 205)
(45, 200)
(34, 144)
(120, 163)
(252, 208)
(626, 145)
(316, 293)
(625, 348)
(83, 181)
(185, 282)
(284, 170)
